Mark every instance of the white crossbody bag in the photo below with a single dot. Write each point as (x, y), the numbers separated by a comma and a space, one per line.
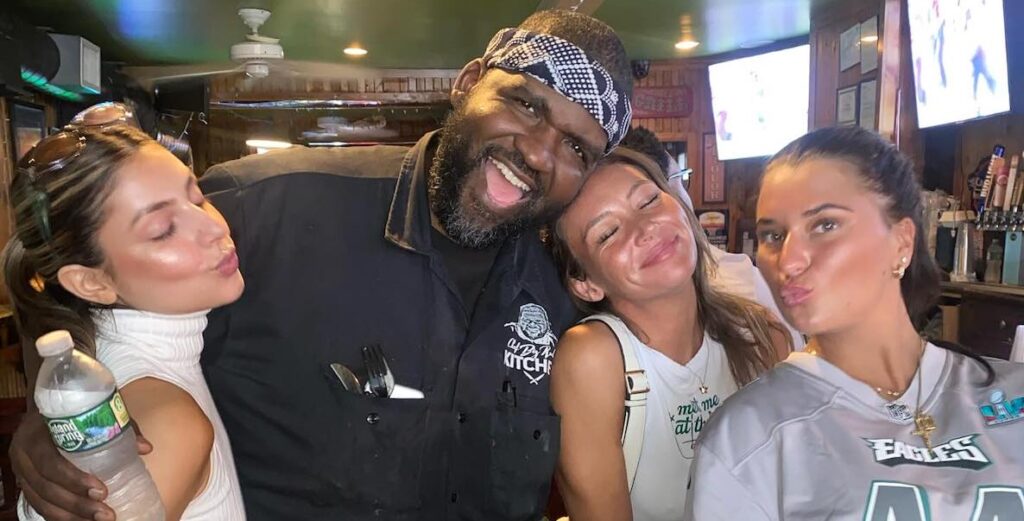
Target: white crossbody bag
(636, 395)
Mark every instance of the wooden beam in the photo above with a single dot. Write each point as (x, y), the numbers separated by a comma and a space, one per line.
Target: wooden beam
(889, 83)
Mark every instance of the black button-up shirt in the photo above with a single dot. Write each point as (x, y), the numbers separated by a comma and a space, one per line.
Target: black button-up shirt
(335, 247)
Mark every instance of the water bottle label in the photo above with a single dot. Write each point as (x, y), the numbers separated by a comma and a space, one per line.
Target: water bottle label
(93, 428)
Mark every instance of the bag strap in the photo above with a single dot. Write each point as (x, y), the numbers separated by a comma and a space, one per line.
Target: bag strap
(637, 388)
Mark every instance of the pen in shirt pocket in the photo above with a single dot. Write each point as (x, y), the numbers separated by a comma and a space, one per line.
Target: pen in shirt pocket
(508, 393)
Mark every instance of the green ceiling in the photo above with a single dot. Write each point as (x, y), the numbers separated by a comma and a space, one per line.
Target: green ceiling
(398, 33)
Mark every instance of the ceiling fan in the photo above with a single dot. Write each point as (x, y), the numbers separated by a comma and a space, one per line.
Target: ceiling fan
(258, 57)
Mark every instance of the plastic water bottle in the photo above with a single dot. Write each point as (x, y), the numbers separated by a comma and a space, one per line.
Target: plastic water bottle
(90, 424)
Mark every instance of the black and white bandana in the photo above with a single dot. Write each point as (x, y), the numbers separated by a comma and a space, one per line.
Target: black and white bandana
(564, 67)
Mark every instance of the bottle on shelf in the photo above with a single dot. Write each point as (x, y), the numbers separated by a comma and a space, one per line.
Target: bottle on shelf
(995, 166)
(994, 263)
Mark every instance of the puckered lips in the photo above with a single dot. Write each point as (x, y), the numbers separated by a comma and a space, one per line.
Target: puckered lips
(506, 186)
(793, 295)
(228, 264)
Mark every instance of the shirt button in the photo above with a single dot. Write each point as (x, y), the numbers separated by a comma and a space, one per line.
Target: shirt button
(462, 417)
(455, 497)
(372, 418)
(377, 512)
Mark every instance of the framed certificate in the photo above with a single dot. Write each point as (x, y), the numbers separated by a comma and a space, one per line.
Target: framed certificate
(846, 106)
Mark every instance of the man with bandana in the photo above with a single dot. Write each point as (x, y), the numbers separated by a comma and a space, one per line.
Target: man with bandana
(429, 252)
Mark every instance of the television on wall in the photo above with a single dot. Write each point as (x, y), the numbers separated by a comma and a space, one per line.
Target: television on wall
(960, 68)
(759, 103)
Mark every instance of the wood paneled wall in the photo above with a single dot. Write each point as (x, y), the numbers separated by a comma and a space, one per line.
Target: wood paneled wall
(7, 163)
(895, 116)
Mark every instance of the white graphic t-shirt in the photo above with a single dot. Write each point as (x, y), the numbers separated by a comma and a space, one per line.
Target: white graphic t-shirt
(677, 411)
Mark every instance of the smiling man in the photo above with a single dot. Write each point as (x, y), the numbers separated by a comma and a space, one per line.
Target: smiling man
(430, 252)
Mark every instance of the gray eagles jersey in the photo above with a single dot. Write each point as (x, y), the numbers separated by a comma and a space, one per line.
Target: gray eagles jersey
(808, 442)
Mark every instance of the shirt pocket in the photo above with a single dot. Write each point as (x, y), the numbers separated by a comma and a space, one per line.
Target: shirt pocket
(373, 454)
(524, 450)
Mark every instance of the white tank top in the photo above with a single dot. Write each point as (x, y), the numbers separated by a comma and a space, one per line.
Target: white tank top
(677, 410)
(136, 344)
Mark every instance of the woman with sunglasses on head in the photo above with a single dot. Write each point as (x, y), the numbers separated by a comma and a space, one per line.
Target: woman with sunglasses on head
(634, 256)
(115, 243)
(871, 422)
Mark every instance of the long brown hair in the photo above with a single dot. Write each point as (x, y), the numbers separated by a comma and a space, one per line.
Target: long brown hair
(57, 215)
(744, 328)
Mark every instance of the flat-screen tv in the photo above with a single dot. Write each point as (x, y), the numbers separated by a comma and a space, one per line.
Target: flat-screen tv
(959, 53)
(760, 102)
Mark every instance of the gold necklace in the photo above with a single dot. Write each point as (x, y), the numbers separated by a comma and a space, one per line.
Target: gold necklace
(703, 388)
(924, 423)
(886, 394)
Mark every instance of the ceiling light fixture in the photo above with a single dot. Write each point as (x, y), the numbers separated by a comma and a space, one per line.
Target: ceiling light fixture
(267, 143)
(869, 39)
(686, 40)
(355, 50)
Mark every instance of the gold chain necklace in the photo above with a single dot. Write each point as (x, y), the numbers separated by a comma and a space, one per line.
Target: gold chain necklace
(924, 423)
(703, 388)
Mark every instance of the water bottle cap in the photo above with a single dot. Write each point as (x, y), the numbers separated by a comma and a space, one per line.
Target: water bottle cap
(54, 343)
(999, 151)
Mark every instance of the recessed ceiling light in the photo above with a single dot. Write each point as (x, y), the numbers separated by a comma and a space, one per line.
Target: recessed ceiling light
(355, 50)
(686, 45)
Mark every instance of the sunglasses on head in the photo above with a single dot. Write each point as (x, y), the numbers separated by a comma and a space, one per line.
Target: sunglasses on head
(56, 151)
(52, 153)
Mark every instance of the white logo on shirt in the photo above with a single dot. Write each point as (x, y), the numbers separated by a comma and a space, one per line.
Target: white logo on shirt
(959, 452)
(899, 411)
(533, 346)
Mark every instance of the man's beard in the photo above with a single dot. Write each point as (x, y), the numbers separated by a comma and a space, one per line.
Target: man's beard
(465, 218)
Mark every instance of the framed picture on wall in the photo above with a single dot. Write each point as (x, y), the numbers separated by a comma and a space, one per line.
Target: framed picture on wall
(714, 172)
(846, 106)
(28, 127)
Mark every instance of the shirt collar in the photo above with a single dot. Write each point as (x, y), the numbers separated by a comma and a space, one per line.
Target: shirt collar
(408, 224)
(932, 369)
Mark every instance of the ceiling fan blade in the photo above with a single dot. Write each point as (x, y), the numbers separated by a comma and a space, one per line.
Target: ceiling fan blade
(324, 70)
(150, 74)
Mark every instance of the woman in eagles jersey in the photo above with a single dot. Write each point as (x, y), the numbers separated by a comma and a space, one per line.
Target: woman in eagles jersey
(871, 422)
(634, 256)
